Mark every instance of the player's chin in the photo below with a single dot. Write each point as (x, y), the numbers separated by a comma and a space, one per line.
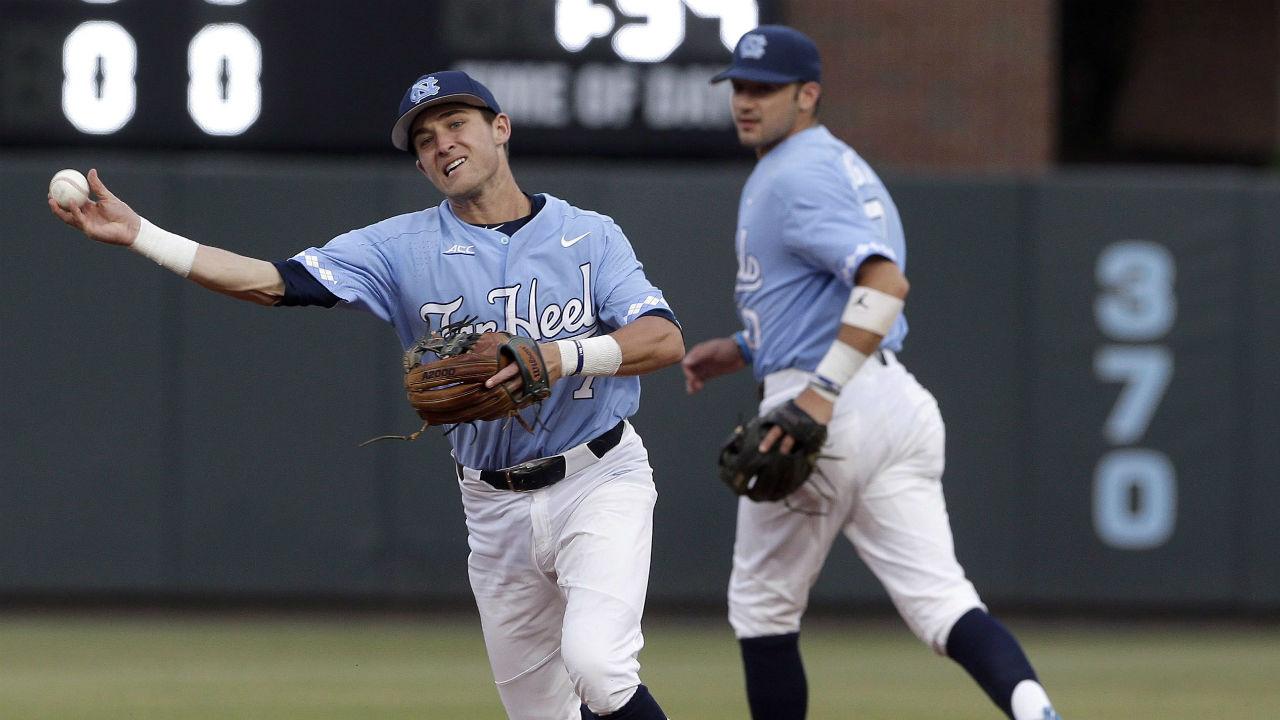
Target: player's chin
(460, 190)
(451, 185)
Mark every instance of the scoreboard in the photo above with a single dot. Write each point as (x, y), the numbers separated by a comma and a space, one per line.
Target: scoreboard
(616, 77)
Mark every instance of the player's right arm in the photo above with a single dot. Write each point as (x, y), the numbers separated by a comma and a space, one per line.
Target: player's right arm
(712, 358)
(109, 220)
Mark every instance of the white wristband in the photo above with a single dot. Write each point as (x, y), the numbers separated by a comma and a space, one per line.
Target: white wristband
(168, 250)
(590, 356)
(837, 366)
(872, 310)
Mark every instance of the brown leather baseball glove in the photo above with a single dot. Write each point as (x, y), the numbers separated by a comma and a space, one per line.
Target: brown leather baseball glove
(450, 390)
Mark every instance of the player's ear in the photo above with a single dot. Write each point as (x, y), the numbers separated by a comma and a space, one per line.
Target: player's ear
(421, 169)
(808, 96)
(501, 126)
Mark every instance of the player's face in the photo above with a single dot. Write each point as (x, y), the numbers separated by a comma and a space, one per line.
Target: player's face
(765, 114)
(459, 149)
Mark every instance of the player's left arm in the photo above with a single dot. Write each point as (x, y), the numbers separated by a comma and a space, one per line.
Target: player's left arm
(874, 305)
(646, 344)
(881, 290)
(647, 338)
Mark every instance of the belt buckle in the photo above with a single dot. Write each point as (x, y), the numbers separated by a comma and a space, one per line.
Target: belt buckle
(526, 467)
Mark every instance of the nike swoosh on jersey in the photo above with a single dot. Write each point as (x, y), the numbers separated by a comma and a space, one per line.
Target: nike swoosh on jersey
(570, 243)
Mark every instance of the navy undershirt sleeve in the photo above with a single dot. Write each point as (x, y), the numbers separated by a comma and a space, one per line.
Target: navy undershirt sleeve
(301, 287)
(664, 314)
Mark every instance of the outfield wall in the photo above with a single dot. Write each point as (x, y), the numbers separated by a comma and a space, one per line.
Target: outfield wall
(1099, 344)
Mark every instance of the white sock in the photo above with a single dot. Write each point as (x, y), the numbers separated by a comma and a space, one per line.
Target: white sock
(1031, 702)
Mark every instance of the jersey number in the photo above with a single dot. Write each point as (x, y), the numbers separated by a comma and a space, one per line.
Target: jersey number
(584, 391)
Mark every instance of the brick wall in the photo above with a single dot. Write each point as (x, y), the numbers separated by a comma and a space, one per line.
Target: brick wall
(938, 84)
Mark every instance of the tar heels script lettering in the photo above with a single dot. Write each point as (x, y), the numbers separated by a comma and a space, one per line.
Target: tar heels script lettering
(540, 323)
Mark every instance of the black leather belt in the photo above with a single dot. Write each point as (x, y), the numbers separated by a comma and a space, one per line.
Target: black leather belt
(544, 472)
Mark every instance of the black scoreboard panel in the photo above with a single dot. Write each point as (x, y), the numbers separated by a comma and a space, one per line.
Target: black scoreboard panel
(616, 77)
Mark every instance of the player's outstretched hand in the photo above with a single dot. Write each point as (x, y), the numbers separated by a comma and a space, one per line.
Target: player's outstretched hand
(709, 360)
(107, 220)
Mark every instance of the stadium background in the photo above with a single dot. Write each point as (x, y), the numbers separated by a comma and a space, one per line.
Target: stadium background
(1090, 197)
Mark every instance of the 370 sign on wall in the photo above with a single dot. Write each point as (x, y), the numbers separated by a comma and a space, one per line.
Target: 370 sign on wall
(1134, 487)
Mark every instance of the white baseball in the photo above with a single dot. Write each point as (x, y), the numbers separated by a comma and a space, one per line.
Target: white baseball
(69, 189)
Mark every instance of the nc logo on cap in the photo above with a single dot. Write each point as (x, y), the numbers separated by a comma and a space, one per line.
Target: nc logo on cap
(423, 89)
(753, 46)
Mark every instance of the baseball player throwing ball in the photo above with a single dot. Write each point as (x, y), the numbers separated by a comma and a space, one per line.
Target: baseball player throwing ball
(820, 291)
(559, 513)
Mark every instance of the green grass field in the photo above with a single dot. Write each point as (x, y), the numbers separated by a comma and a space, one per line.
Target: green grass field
(281, 667)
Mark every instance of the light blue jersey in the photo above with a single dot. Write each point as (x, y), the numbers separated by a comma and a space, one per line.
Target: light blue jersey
(566, 273)
(811, 213)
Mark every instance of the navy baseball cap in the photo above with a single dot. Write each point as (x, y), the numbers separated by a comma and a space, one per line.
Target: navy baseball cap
(774, 54)
(447, 86)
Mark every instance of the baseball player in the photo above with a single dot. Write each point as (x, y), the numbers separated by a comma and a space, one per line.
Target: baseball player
(820, 290)
(560, 546)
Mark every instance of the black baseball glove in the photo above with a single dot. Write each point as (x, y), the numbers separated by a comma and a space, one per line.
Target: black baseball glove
(771, 476)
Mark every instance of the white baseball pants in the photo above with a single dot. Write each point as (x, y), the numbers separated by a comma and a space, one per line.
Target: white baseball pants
(560, 576)
(882, 489)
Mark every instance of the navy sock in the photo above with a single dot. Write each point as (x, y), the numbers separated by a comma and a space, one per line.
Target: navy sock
(991, 655)
(641, 706)
(776, 686)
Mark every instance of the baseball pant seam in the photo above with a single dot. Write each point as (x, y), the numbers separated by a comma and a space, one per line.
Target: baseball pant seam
(530, 669)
